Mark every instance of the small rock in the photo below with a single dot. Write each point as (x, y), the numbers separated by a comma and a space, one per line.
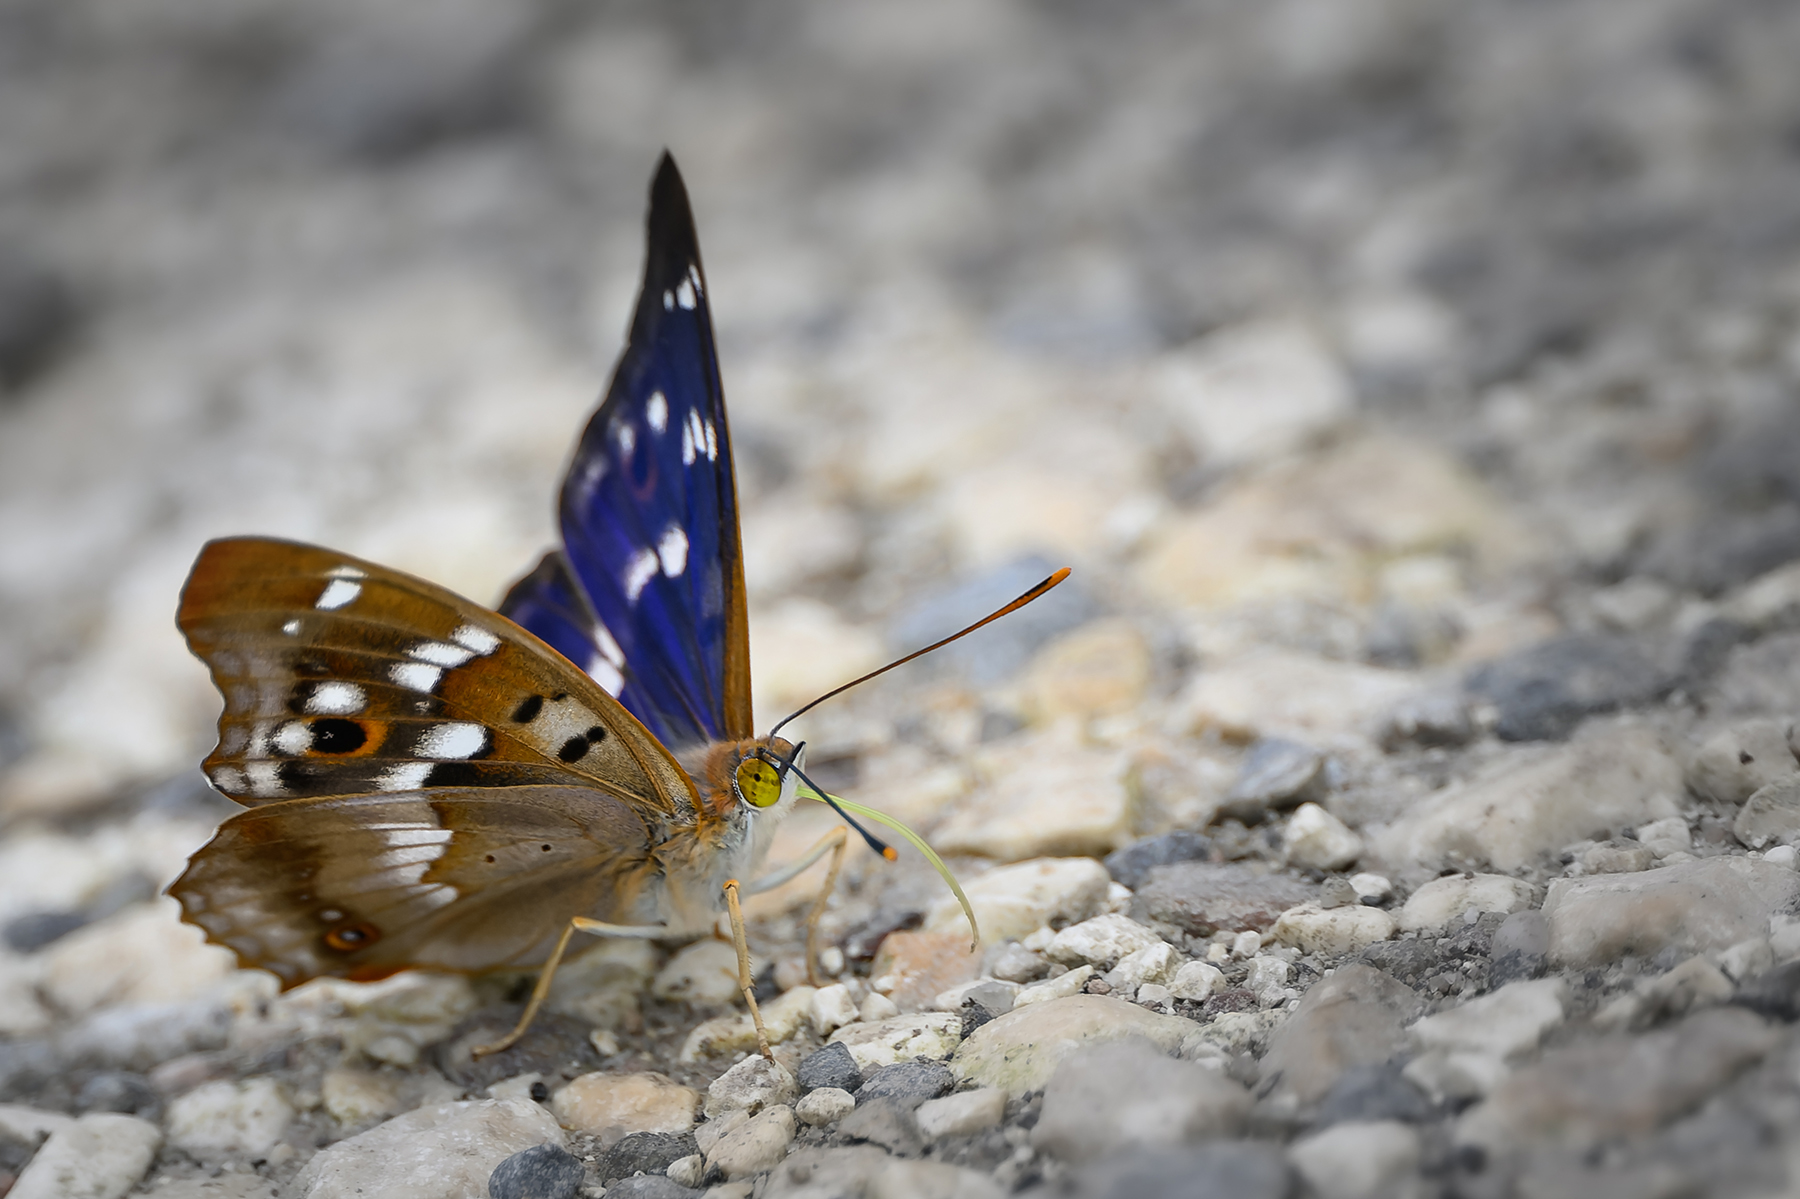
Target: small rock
(1694, 984)
(118, 1091)
(1278, 692)
(876, 1006)
(1129, 1093)
(783, 1017)
(883, 1122)
(1356, 1017)
(922, 965)
(1253, 391)
(1014, 901)
(1099, 942)
(1157, 998)
(1060, 987)
(687, 1171)
(611, 1105)
(1239, 1169)
(758, 1145)
(1357, 1160)
(903, 1179)
(1131, 866)
(1477, 1040)
(1317, 840)
(1334, 932)
(750, 1086)
(961, 1115)
(1429, 719)
(655, 1186)
(142, 955)
(1374, 1092)
(1013, 963)
(1521, 947)
(223, 1117)
(1616, 857)
(450, 1149)
(1543, 692)
(1616, 776)
(1276, 775)
(704, 974)
(1775, 994)
(901, 1038)
(101, 1155)
(832, 1066)
(1737, 762)
(1371, 888)
(1103, 667)
(825, 1105)
(1201, 898)
(540, 1172)
(831, 1009)
(907, 1083)
(993, 997)
(813, 1173)
(1155, 964)
(1196, 981)
(1019, 1051)
(1692, 907)
(1613, 1088)
(1441, 902)
(1772, 814)
(644, 1152)
(352, 1096)
(1044, 794)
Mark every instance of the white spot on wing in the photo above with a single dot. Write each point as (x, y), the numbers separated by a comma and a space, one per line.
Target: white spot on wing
(410, 855)
(403, 776)
(639, 572)
(264, 779)
(294, 737)
(396, 835)
(291, 628)
(346, 572)
(336, 698)
(611, 680)
(712, 443)
(687, 444)
(668, 300)
(439, 653)
(627, 439)
(228, 779)
(476, 638)
(604, 639)
(453, 740)
(694, 274)
(415, 676)
(672, 549)
(656, 411)
(337, 593)
(684, 294)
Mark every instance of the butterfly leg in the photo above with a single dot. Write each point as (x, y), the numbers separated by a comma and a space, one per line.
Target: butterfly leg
(834, 843)
(542, 990)
(746, 982)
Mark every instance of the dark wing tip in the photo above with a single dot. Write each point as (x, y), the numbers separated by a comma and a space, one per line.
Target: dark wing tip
(673, 245)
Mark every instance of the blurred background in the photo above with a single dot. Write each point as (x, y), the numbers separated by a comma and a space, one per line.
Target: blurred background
(1384, 332)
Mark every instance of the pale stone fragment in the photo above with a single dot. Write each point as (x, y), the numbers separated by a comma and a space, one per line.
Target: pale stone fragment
(450, 1149)
(602, 1104)
(1317, 840)
(900, 1038)
(1014, 901)
(1441, 902)
(1357, 1159)
(102, 1155)
(1333, 932)
(961, 1114)
(218, 1118)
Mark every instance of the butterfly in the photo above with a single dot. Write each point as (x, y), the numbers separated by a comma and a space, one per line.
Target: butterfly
(431, 784)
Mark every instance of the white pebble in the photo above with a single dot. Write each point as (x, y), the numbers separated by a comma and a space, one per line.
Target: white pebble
(877, 1007)
(1196, 981)
(1246, 944)
(687, 1171)
(831, 1009)
(961, 1114)
(1782, 855)
(1371, 886)
(825, 1105)
(101, 1154)
(831, 961)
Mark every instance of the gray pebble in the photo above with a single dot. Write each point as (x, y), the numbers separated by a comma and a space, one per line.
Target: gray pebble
(831, 1066)
(1543, 692)
(650, 1186)
(1240, 1169)
(1276, 774)
(1130, 866)
(645, 1152)
(1371, 1092)
(907, 1083)
(884, 1122)
(540, 1172)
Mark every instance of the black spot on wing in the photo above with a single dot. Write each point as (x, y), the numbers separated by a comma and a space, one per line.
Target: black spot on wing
(528, 709)
(573, 750)
(336, 735)
(596, 735)
(453, 774)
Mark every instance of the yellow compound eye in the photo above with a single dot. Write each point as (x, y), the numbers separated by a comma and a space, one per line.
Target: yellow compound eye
(758, 782)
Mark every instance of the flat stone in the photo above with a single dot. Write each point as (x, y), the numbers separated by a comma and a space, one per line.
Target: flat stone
(1278, 692)
(1617, 856)
(1771, 815)
(1332, 932)
(1694, 984)
(1240, 1169)
(101, 1155)
(1356, 1160)
(1201, 898)
(219, 1118)
(815, 1173)
(1544, 691)
(824, 1105)
(920, 1179)
(1431, 718)
(831, 1008)
(991, 995)
(1157, 964)
(1100, 669)
(783, 1018)
(540, 1172)
(907, 1083)
(832, 1066)
(142, 955)
(1012, 902)
(1018, 1052)
(1610, 777)
(704, 974)
(750, 1086)
(758, 1145)
(612, 1105)
(1276, 774)
(1441, 902)
(1131, 866)
(901, 1038)
(1700, 906)
(1374, 1092)
(1253, 391)
(1465, 1051)
(961, 1115)
(1666, 836)
(1043, 794)
(1736, 762)
(1128, 1092)
(1609, 1088)
(450, 1149)
(1356, 1017)
(1316, 840)
(351, 1096)
(922, 965)
(1060, 987)
(883, 1122)
(1099, 942)
(645, 1152)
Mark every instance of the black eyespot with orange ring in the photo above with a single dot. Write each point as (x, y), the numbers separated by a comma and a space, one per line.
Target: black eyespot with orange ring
(352, 936)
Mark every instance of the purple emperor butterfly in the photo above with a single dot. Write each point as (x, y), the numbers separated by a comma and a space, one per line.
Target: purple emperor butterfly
(431, 784)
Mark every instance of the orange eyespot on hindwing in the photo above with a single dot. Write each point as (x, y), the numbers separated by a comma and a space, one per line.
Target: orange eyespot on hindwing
(352, 936)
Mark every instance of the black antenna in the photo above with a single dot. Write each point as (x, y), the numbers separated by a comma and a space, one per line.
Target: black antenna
(1046, 585)
(875, 843)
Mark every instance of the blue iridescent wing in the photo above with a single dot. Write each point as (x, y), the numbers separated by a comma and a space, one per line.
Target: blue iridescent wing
(647, 593)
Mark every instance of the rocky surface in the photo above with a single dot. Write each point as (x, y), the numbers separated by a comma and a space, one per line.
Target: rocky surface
(1401, 798)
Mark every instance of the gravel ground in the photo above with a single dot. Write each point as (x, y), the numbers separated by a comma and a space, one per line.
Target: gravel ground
(1399, 800)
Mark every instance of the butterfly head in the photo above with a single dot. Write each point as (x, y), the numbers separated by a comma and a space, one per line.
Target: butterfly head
(766, 775)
